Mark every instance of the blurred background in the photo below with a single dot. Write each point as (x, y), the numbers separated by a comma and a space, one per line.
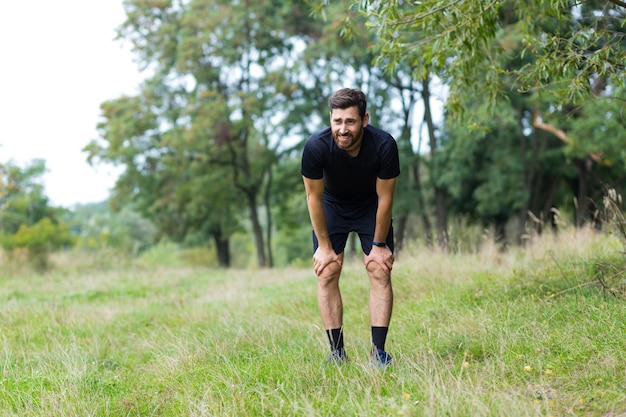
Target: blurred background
(172, 130)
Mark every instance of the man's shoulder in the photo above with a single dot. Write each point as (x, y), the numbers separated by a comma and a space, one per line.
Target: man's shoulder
(378, 133)
(318, 141)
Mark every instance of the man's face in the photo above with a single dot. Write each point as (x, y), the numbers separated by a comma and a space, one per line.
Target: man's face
(347, 128)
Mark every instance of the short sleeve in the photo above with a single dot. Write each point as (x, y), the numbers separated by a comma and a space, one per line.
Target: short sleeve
(312, 162)
(389, 160)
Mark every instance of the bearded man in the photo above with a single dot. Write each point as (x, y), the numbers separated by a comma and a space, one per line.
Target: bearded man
(350, 171)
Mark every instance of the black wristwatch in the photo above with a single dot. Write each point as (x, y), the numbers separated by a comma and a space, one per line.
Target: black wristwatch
(379, 244)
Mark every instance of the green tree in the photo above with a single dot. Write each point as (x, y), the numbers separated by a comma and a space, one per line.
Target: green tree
(573, 45)
(22, 197)
(556, 54)
(343, 51)
(39, 241)
(27, 221)
(97, 226)
(198, 143)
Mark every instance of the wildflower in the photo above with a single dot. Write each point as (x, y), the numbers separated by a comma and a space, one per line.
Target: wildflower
(548, 371)
(466, 364)
(528, 368)
(406, 395)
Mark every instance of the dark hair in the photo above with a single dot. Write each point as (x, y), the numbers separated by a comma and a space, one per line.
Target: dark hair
(348, 97)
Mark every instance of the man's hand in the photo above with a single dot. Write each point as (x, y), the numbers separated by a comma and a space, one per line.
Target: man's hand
(382, 256)
(322, 258)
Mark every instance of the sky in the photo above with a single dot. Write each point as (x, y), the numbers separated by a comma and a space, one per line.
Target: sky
(59, 62)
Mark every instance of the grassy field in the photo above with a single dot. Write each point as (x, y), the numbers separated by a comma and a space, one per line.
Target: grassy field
(525, 333)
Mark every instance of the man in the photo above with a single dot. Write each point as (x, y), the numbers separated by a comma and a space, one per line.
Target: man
(350, 171)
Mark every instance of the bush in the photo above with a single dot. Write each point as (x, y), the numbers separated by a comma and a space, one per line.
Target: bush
(39, 241)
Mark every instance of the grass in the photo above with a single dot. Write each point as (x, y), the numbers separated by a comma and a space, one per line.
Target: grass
(526, 333)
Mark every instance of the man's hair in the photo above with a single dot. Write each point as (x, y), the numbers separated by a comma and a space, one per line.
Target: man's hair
(348, 97)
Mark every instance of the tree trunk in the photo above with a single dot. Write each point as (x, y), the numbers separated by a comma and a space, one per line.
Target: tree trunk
(399, 228)
(500, 238)
(442, 218)
(582, 193)
(440, 194)
(257, 230)
(528, 171)
(421, 205)
(222, 249)
(268, 219)
(548, 212)
(413, 188)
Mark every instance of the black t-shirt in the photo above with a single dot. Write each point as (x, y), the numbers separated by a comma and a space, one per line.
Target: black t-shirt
(349, 180)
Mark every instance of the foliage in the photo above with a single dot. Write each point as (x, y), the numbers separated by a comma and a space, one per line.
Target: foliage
(97, 226)
(487, 334)
(570, 45)
(200, 141)
(210, 145)
(39, 241)
(599, 128)
(27, 222)
(22, 197)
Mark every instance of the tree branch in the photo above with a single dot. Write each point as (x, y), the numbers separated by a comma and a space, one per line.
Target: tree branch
(618, 2)
(426, 14)
(596, 156)
(549, 128)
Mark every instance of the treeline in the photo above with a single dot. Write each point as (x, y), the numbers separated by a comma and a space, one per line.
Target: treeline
(533, 132)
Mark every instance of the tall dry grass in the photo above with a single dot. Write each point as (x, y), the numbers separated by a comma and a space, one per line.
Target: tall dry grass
(486, 334)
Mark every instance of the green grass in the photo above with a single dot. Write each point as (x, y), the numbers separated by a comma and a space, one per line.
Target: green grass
(526, 333)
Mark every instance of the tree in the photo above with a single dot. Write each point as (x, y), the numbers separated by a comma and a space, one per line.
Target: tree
(27, 221)
(393, 98)
(22, 197)
(556, 54)
(97, 226)
(573, 45)
(200, 136)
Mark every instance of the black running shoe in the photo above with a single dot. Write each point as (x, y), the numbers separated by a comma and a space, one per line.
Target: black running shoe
(337, 357)
(380, 359)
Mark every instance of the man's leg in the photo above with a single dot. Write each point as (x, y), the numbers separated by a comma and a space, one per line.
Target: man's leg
(381, 306)
(381, 295)
(330, 303)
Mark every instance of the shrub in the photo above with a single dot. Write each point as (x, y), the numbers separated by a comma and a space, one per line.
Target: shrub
(39, 241)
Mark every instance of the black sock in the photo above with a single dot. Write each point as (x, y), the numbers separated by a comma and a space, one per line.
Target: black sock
(379, 336)
(335, 337)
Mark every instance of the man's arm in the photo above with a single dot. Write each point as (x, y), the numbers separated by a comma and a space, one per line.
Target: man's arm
(314, 191)
(385, 190)
(383, 256)
(325, 254)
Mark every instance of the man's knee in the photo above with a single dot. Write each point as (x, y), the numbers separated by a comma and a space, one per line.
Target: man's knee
(375, 270)
(330, 273)
(373, 267)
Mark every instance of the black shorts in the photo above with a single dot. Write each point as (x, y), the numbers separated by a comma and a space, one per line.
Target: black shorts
(342, 219)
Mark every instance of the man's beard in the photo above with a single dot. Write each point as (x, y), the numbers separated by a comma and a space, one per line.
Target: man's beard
(346, 141)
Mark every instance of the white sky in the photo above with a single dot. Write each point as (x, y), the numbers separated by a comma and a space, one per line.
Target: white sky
(59, 62)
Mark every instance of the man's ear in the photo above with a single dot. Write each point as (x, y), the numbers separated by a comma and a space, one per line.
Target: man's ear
(366, 119)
